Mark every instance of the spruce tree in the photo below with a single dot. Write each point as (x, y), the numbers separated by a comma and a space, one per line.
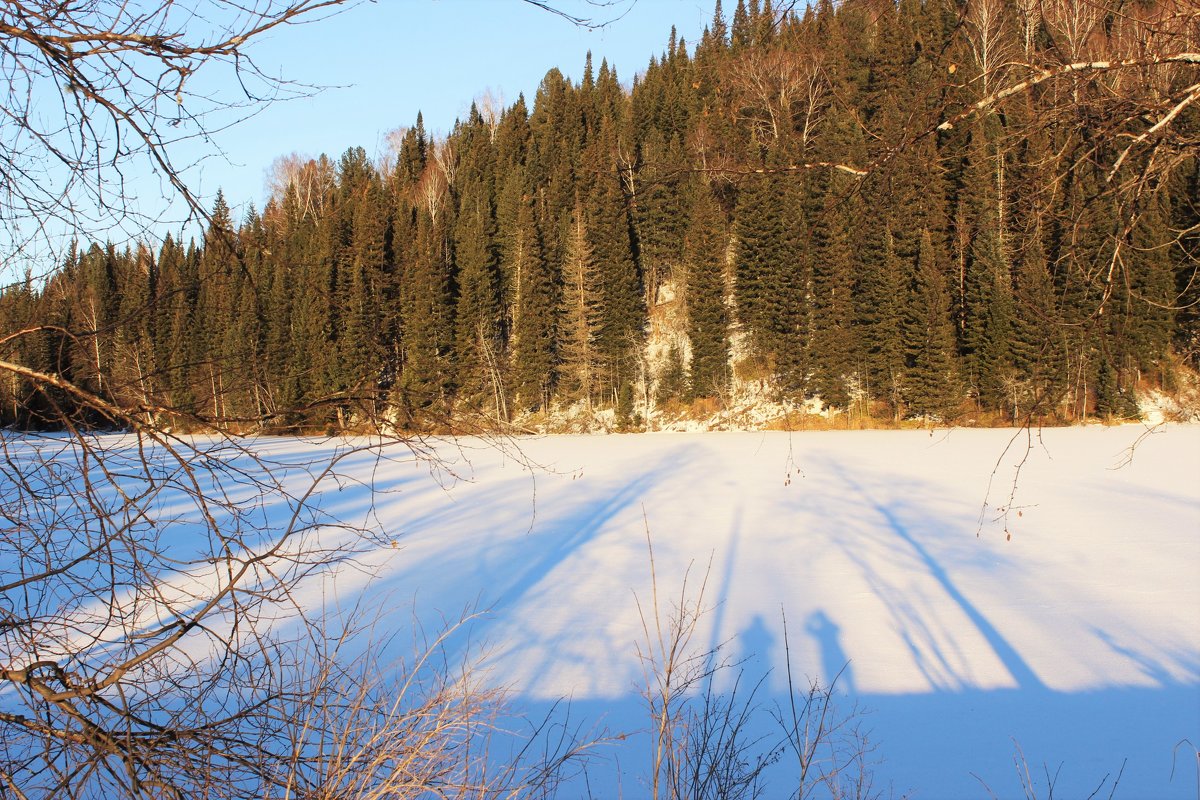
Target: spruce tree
(758, 226)
(478, 348)
(426, 377)
(787, 301)
(170, 303)
(360, 345)
(707, 315)
(990, 321)
(533, 318)
(1083, 247)
(661, 207)
(184, 333)
(282, 390)
(985, 300)
(1037, 341)
(879, 321)
(581, 315)
(556, 139)
(833, 357)
(1186, 263)
(214, 310)
(1151, 289)
(252, 296)
(741, 33)
(413, 155)
(512, 140)
(832, 206)
(931, 382)
(620, 298)
(311, 357)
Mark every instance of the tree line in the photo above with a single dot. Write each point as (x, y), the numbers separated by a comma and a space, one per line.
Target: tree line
(921, 208)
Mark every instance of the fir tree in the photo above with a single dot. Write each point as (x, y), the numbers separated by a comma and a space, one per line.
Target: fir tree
(989, 325)
(214, 309)
(985, 299)
(832, 205)
(169, 315)
(833, 357)
(742, 33)
(672, 378)
(661, 209)
(788, 302)
(1186, 217)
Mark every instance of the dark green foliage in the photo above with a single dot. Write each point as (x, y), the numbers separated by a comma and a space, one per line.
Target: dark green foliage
(1186, 262)
(774, 274)
(426, 286)
(625, 417)
(931, 384)
(1038, 344)
(362, 346)
(985, 302)
(662, 209)
(581, 315)
(1113, 400)
(789, 306)
(672, 380)
(707, 315)
(511, 265)
(620, 299)
(1150, 289)
(879, 322)
(533, 340)
(758, 226)
(833, 345)
(478, 345)
(990, 356)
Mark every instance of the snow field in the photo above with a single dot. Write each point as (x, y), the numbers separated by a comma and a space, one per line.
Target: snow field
(1076, 640)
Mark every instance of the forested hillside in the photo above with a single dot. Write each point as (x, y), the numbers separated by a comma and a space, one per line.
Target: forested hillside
(916, 209)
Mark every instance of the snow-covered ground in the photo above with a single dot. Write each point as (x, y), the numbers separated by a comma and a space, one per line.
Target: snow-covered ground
(974, 612)
(1074, 637)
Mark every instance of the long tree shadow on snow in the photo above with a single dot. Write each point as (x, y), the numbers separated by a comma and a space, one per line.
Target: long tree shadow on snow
(568, 534)
(454, 560)
(1020, 671)
(957, 739)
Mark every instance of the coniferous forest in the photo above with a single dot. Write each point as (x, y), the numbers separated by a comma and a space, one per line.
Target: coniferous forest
(912, 209)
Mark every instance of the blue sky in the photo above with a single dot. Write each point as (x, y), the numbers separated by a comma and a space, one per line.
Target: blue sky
(386, 60)
(380, 61)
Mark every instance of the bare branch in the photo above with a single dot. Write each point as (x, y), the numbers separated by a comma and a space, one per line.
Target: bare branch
(1043, 75)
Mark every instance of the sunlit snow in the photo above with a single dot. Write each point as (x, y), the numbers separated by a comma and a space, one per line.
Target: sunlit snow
(1076, 640)
(973, 610)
